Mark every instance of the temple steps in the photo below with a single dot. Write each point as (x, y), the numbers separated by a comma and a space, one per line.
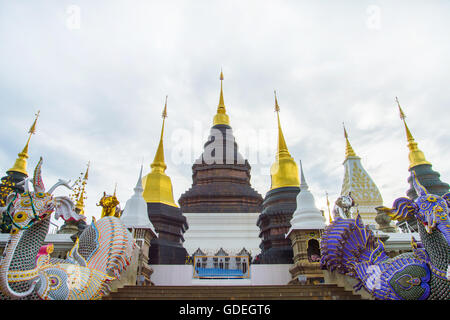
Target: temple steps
(287, 292)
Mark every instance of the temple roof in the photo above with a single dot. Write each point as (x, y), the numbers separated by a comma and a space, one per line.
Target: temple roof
(221, 175)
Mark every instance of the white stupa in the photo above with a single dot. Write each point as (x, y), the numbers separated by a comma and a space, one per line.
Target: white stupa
(135, 212)
(306, 216)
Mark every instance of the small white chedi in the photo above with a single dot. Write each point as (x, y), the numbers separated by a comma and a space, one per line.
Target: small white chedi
(135, 211)
(306, 216)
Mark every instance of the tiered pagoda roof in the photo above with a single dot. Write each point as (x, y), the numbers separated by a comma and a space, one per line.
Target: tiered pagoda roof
(221, 176)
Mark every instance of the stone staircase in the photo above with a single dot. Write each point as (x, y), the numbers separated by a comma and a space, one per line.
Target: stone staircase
(272, 292)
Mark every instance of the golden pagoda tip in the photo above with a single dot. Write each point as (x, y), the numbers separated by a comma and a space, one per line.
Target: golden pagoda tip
(402, 114)
(349, 152)
(164, 114)
(221, 74)
(277, 107)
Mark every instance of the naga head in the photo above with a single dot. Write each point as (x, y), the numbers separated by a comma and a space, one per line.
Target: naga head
(345, 202)
(343, 205)
(26, 210)
(431, 210)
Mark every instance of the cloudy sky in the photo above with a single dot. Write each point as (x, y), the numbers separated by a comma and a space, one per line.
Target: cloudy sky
(99, 72)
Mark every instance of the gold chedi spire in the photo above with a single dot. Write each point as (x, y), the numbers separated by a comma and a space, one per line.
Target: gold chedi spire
(349, 152)
(80, 192)
(21, 162)
(284, 171)
(416, 156)
(157, 185)
(221, 116)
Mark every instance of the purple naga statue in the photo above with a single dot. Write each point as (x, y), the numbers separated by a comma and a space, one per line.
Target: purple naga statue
(351, 248)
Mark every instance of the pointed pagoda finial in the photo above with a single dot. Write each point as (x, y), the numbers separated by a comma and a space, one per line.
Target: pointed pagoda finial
(138, 187)
(21, 162)
(221, 116)
(416, 156)
(80, 193)
(277, 107)
(349, 152)
(284, 171)
(115, 190)
(164, 114)
(159, 162)
(282, 147)
(303, 184)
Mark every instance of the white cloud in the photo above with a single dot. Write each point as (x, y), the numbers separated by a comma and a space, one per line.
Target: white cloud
(101, 88)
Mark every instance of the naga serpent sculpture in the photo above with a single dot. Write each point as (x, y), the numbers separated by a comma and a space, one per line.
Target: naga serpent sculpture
(26, 270)
(342, 206)
(351, 248)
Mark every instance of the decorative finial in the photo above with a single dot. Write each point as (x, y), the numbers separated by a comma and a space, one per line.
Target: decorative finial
(164, 114)
(221, 116)
(33, 126)
(159, 162)
(115, 189)
(402, 115)
(349, 152)
(416, 156)
(21, 162)
(303, 184)
(80, 191)
(277, 107)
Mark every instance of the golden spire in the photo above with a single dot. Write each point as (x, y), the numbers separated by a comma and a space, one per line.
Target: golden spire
(348, 148)
(157, 185)
(416, 156)
(158, 163)
(21, 162)
(221, 117)
(284, 171)
(282, 148)
(80, 195)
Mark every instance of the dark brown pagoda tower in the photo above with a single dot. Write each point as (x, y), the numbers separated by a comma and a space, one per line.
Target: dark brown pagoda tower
(221, 176)
(163, 212)
(279, 205)
(423, 170)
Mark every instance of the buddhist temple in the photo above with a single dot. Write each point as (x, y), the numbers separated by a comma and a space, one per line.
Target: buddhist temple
(422, 168)
(279, 204)
(357, 181)
(221, 206)
(163, 212)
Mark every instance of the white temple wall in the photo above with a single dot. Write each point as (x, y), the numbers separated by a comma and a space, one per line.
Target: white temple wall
(182, 275)
(230, 231)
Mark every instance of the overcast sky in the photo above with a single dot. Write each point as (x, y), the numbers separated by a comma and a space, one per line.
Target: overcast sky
(99, 72)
